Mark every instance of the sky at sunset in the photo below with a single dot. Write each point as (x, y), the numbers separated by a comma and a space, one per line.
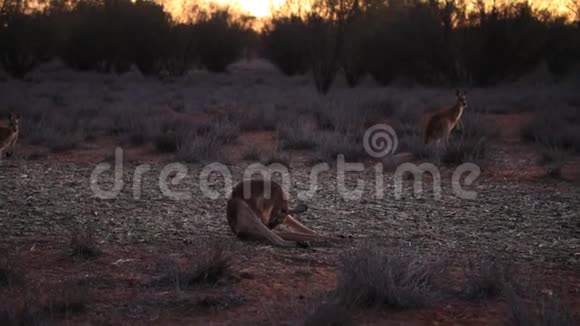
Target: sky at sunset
(263, 8)
(258, 8)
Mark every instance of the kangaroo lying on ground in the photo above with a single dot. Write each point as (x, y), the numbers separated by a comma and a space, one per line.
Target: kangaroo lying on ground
(257, 206)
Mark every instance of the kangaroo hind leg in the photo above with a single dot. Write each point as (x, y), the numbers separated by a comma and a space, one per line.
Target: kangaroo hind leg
(250, 226)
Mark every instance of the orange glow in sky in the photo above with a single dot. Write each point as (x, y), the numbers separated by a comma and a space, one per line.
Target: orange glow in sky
(258, 8)
(263, 8)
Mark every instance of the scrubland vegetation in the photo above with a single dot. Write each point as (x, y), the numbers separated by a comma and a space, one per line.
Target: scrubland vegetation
(91, 75)
(370, 278)
(430, 42)
(397, 44)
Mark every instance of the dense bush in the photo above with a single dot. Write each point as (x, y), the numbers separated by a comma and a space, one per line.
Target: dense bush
(431, 42)
(285, 46)
(220, 39)
(324, 42)
(181, 52)
(561, 130)
(428, 41)
(317, 42)
(351, 57)
(507, 42)
(112, 35)
(411, 42)
(22, 42)
(562, 47)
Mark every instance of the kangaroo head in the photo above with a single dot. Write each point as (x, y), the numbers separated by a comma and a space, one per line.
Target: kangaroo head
(462, 98)
(14, 120)
(279, 213)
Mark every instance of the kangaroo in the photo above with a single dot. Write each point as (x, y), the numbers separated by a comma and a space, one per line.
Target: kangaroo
(257, 206)
(9, 135)
(442, 123)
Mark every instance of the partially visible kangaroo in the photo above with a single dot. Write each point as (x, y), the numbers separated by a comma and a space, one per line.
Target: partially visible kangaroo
(257, 206)
(442, 123)
(9, 135)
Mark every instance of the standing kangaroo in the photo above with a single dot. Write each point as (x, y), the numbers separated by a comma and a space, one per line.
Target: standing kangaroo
(442, 123)
(9, 135)
(258, 206)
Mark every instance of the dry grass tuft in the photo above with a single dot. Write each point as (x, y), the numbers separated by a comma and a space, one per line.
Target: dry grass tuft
(210, 266)
(9, 276)
(557, 134)
(332, 144)
(485, 280)
(251, 154)
(464, 150)
(83, 244)
(199, 150)
(61, 305)
(372, 277)
(297, 136)
(276, 157)
(258, 119)
(68, 302)
(557, 128)
(553, 159)
(470, 143)
(549, 311)
(329, 314)
(202, 143)
(203, 304)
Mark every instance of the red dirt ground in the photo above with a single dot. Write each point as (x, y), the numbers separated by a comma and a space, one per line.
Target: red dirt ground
(269, 282)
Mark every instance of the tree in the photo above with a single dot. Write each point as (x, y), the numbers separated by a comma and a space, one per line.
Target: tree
(329, 23)
(574, 7)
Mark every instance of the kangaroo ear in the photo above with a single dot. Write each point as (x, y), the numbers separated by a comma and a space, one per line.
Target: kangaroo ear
(458, 93)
